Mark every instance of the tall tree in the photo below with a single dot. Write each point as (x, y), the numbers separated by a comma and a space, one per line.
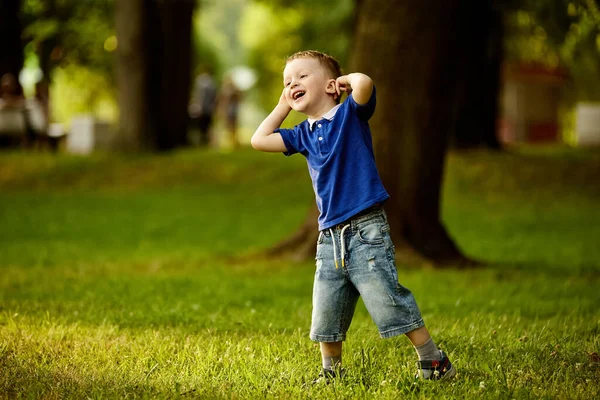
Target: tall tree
(408, 49)
(154, 62)
(11, 46)
(480, 55)
(136, 130)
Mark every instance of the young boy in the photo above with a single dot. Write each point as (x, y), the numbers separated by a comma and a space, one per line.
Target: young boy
(355, 255)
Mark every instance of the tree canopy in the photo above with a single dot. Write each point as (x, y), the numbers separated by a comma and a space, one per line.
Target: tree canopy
(70, 31)
(260, 33)
(558, 33)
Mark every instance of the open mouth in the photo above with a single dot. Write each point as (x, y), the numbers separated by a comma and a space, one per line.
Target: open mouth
(298, 94)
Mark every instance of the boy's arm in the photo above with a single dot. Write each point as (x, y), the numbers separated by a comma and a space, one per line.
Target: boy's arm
(265, 139)
(360, 85)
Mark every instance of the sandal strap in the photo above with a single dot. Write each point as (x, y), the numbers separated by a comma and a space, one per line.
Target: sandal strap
(434, 364)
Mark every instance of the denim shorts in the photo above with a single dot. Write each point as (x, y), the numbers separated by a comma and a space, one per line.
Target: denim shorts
(367, 269)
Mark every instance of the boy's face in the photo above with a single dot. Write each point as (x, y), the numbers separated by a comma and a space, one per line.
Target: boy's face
(308, 88)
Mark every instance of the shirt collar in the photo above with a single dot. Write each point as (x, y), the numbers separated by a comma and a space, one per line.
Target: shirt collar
(328, 115)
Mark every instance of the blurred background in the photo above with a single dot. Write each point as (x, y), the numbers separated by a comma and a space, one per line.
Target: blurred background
(85, 75)
(146, 250)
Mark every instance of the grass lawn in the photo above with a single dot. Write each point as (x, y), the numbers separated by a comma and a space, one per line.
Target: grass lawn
(117, 281)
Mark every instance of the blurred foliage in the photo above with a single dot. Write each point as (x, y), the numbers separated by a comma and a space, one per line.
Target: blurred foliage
(80, 90)
(216, 41)
(271, 30)
(558, 33)
(74, 30)
(204, 42)
(73, 42)
(70, 36)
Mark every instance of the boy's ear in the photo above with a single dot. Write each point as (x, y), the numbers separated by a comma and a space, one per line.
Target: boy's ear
(330, 88)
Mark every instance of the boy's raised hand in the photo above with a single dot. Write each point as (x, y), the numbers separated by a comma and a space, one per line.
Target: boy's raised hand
(265, 138)
(342, 84)
(360, 85)
(283, 101)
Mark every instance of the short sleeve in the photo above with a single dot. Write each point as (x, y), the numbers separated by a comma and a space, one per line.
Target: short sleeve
(364, 111)
(292, 139)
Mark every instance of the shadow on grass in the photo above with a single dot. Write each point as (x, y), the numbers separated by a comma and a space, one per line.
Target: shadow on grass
(38, 383)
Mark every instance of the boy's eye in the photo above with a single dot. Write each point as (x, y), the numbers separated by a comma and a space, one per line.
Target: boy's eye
(303, 76)
(286, 84)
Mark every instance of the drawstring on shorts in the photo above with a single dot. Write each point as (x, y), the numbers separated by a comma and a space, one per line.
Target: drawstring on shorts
(343, 252)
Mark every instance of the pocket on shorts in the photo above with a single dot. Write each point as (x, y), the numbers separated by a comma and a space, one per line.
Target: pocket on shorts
(372, 233)
(320, 247)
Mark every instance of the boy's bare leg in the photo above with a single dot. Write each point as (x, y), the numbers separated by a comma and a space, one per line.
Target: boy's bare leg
(331, 354)
(428, 352)
(419, 336)
(333, 349)
(423, 344)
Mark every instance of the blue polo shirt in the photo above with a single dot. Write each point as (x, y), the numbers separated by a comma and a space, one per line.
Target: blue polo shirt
(341, 161)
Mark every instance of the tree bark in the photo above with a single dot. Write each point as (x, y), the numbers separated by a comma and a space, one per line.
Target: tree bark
(301, 245)
(154, 74)
(46, 47)
(480, 33)
(11, 46)
(408, 49)
(137, 131)
(170, 58)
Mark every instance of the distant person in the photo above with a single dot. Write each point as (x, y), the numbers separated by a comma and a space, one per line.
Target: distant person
(14, 124)
(11, 95)
(229, 103)
(355, 253)
(38, 112)
(42, 97)
(202, 106)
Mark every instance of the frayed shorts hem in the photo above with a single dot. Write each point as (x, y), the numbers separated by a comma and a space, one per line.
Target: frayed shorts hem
(385, 335)
(327, 338)
(402, 329)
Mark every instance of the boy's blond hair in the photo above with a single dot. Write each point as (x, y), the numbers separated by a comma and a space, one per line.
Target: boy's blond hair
(331, 65)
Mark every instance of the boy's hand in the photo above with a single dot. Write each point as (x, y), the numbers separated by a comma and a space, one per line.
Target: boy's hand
(283, 101)
(342, 84)
(265, 138)
(360, 85)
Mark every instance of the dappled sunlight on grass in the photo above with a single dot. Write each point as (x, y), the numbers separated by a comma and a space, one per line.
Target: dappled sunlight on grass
(134, 172)
(522, 208)
(124, 276)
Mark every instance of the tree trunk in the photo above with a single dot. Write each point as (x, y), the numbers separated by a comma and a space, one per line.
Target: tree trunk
(46, 47)
(171, 69)
(137, 130)
(408, 49)
(301, 245)
(480, 34)
(154, 56)
(11, 46)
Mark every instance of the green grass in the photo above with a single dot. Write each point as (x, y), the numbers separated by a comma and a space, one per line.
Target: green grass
(118, 281)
